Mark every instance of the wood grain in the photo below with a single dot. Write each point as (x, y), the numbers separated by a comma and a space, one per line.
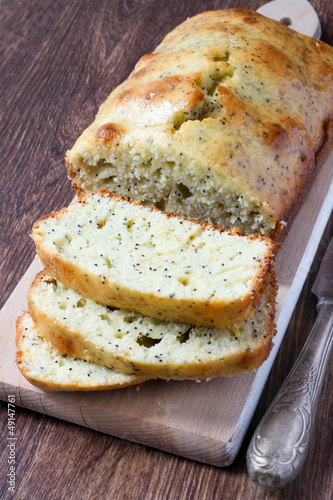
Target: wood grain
(59, 61)
(161, 413)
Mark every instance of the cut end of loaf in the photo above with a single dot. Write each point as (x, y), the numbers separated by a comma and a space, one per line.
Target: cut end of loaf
(170, 186)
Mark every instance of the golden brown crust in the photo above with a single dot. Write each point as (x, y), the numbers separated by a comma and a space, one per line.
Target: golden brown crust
(62, 339)
(274, 88)
(108, 133)
(24, 361)
(243, 360)
(213, 312)
(321, 154)
(152, 94)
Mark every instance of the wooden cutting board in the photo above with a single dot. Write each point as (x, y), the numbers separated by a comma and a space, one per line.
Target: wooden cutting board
(204, 421)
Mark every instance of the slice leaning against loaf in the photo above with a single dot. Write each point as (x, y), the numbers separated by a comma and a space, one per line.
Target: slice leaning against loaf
(147, 346)
(41, 364)
(130, 256)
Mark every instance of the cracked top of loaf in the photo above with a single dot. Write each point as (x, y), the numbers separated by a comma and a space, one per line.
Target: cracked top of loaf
(228, 116)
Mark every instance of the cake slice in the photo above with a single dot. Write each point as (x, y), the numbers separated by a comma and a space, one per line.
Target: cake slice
(146, 346)
(41, 364)
(127, 255)
(225, 122)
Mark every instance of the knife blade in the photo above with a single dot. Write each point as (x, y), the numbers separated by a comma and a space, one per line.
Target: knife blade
(323, 285)
(280, 444)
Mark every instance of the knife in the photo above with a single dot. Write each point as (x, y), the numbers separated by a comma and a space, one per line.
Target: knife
(280, 444)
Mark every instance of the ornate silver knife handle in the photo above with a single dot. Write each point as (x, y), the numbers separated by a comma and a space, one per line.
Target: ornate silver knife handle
(280, 444)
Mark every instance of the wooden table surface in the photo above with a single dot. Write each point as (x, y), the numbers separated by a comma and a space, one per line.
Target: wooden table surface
(59, 61)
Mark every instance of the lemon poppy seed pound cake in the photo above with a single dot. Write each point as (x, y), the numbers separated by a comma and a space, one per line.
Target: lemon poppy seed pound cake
(45, 367)
(127, 255)
(146, 347)
(226, 122)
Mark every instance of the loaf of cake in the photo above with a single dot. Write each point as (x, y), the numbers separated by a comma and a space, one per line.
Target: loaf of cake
(127, 255)
(45, 367)
(226, 122)
(143, 346)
